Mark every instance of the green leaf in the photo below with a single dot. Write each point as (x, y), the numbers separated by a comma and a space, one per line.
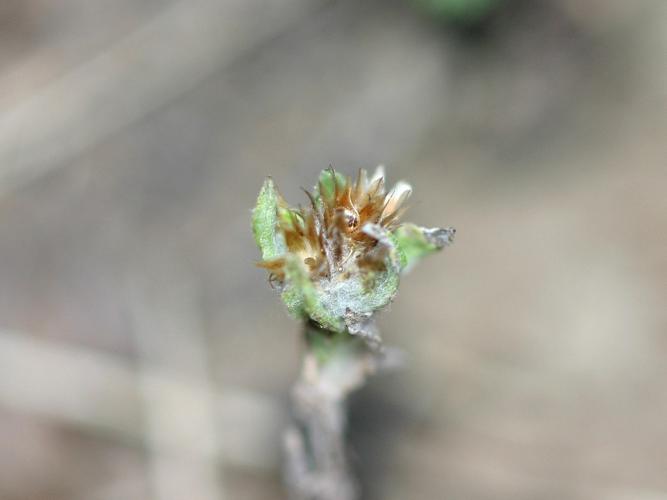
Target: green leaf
(383, 290)
(265, 222)
(415, 243)
(327, 303)
(289, 219)
(364, 293)
(328, 181)
(303, 298)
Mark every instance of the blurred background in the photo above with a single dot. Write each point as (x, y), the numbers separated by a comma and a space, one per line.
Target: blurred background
(143, 356)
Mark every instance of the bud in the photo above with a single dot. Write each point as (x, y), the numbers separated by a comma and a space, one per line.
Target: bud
(338, 261)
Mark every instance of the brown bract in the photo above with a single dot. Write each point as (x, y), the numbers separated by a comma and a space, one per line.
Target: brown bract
(340, 232)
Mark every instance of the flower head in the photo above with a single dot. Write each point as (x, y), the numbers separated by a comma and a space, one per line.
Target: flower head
(339, 232)
(338, 259)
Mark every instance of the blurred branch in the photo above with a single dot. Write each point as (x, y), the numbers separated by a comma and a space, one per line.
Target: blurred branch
(317, 465)
(101, 392)
(183, 45)
(181, 431)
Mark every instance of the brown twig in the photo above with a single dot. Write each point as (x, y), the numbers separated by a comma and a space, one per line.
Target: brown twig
(317, 466)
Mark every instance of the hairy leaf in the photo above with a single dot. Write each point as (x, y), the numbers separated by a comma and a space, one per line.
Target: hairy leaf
(415, 243)
(265, 222)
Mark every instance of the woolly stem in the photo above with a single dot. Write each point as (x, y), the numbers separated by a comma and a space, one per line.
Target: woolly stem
(334, 365)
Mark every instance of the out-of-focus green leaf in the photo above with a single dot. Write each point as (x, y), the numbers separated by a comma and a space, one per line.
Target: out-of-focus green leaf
(466, 11)
(265, 222)
(416, 242)
(303, 298)
(328, 181)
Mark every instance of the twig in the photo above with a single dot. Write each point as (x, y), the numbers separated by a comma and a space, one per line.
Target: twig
(364, 254)
(316, 458)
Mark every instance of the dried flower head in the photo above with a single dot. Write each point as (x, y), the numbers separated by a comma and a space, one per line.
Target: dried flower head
(338, 260)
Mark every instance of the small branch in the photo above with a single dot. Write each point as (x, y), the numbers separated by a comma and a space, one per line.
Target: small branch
(317, 465)
(351, 230)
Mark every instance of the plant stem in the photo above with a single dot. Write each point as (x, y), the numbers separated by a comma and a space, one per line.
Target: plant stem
(334, 365)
